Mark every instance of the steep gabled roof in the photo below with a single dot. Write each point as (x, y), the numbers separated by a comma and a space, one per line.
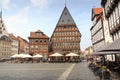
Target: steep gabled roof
(66, 18)
(13, 37)
(96, 12)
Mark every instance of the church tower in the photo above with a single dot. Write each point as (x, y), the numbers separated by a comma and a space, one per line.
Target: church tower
(66, 36)
(3, 30)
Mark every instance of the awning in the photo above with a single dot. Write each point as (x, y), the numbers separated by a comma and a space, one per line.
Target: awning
(106, 52)
(114, 46)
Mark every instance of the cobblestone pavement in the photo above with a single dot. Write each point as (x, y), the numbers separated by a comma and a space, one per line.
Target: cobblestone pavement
(46, 71)
(27, 71)
(82, 72)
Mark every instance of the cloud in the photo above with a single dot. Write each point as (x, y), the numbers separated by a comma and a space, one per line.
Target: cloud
(16, 23)
(4, 4)
(41, 3)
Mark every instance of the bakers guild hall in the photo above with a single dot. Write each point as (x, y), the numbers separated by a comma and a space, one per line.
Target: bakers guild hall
(66, 36)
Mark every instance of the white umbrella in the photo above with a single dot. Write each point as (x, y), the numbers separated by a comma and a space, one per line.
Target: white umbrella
(21, 55)
(24, 55)
(15, 56)
(37, 56)
(56, 54)
(72, 54)
(28, 56)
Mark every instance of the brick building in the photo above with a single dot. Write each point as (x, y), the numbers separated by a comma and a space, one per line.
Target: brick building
(5, 40)
(23, 45)
(38, 43)
(15, 44)
(66, 36)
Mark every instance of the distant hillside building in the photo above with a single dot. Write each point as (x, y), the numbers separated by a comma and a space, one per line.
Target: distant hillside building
(5, 41)
(38, 43)
(66, 36)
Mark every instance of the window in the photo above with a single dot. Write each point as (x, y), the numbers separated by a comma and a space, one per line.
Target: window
(32, 46)
(40, 40)
(1, 21)
(38, 33)
(68, 20)
(65, 13)
(2, 25)
(36, 46)
(0, 32)
(4, 29)
(45, 41)
(36, 41)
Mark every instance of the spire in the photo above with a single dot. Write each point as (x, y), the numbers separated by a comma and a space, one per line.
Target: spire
(65, 2)
(1, 13)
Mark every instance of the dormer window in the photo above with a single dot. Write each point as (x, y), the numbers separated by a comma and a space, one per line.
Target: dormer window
(38, 34)
(65, 13)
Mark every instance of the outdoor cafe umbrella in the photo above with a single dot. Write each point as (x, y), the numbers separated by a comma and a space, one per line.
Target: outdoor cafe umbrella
(37, 56)
(15, 56)
(56, 55)
(72, 54)
(24, 55)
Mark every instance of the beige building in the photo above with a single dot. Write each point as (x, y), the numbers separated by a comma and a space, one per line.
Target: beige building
(88, 51)
(5, 47)
(15, 44)
(97, 30)
(112, 18)
(5, 41)
(112, 15)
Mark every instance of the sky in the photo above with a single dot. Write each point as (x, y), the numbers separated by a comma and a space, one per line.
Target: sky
(24, 16)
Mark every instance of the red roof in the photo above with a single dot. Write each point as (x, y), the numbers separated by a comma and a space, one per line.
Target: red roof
(34, 34)
(12, 36)
(97, 10)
